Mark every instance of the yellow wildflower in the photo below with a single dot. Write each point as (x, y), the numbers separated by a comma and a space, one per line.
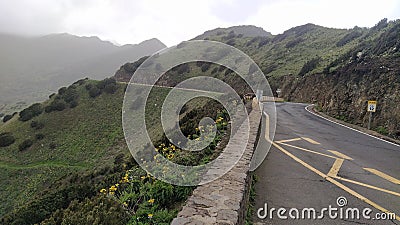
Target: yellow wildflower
(150, 215)
(113, 188)
(151, 201)
(103, 190)
(142, 177)
(170, 156)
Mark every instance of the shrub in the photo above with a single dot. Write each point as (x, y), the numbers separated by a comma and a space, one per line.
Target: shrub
(6, 139)
(184, 68)
(103, 83)
(215, 70)
(30, 112)
(39, 136)
(62, 90)
(111, 88)
(25, 144)
(231, 42)
(56, 105)
(94, 92)
(7, 118)
(73, 104)
(228, 71)
(37, 125)
(70, 95)
(381, 130)
(205, 67)
(91, 211)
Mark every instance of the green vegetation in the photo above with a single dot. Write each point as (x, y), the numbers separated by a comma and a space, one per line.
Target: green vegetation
(30, 112)
(252, 200)
(6, 139)
(58, 162)
(25, 144)
(7, 117)
(381, 130)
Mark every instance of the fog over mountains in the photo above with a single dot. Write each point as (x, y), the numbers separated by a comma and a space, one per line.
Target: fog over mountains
(33, 67)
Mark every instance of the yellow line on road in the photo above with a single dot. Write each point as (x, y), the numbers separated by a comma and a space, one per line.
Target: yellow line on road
(368, 186)
(335, 168)
(340, 155)
(311, 141)
(289, 140)
(308, 150)
(383, 175)
(333, 181)
(267, 127)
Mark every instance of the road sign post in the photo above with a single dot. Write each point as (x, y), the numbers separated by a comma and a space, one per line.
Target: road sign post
(371, 109)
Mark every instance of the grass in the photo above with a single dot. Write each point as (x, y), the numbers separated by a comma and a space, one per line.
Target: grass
(82, 143)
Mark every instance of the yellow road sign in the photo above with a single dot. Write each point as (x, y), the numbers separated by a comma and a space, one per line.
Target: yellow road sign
(371, 106)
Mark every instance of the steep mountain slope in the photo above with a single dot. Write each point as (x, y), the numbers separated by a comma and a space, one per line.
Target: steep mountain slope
(340, 69)
(62, 159)
(369, 71)
(31, 68)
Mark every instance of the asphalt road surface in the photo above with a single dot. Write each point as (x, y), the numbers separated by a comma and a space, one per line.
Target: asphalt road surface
(313, 162)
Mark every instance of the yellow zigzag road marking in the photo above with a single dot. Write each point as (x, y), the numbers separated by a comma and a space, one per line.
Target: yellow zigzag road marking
(368, 186)
(311, 141)
(383, 175)
(340, 155)
(335, 168)
(333, 181)
(289, 140)
(307, 150)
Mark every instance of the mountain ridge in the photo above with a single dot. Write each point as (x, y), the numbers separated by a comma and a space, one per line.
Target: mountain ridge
(55, 60)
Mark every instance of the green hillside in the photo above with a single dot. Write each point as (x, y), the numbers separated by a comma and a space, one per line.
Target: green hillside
(338, 69)
(70, 147)
(65, 160)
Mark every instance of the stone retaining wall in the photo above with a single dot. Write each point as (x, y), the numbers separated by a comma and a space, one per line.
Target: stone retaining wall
(224, 201)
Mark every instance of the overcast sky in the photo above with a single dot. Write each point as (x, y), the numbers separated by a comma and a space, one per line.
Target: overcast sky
(172, 21)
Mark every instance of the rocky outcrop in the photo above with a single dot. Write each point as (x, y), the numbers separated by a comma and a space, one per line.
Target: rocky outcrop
(344, 93)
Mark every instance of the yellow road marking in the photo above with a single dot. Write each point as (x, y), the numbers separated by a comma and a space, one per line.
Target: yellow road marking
(383, 175)
(308, 150)
(368, 186)
(341, 155)
(335, 168)
(289, 140)
(311, 141)
(267, 127)
(333, 181)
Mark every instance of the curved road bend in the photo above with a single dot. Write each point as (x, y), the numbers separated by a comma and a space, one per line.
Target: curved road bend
(314, 161)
